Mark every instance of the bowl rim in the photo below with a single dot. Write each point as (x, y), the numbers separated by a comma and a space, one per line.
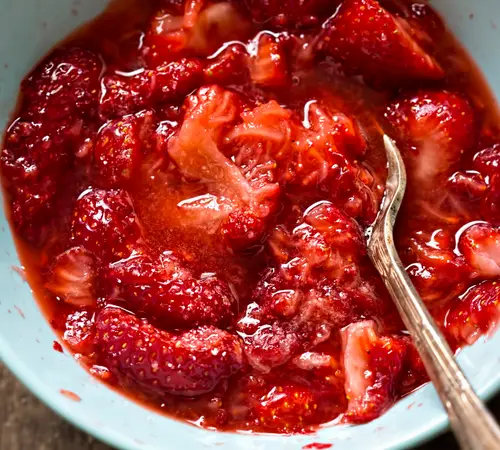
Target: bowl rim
(57, 403)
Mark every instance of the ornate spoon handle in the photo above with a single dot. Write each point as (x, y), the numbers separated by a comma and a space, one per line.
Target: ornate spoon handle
(472, 424)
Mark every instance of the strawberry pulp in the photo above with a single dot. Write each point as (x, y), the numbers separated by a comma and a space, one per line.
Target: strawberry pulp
(189, 183)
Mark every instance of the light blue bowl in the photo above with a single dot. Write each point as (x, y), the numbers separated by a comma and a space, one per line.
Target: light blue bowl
(29, 29)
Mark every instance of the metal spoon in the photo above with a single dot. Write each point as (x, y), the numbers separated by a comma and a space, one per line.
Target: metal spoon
(472, 424)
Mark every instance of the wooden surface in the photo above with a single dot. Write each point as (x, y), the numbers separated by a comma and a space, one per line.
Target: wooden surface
(26, 424)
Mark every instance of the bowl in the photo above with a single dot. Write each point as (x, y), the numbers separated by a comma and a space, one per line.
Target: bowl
(29, 29)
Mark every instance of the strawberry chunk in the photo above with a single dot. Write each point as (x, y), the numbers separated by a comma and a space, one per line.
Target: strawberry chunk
(121, 95)
(295, 405)
(269, 67)
(120, 147)
(65, 85)
(72, 277)
(436, 271)
(314, 291)
(239, 177)
(480, 245)
(487, 161)
(31, 210)
(167, 292)
(34, 150)
(242, 230)
(201, 30)
(228, 67)
(372, 365)
(34, 160)
(475, 314)
(369, 41)
(323, 165)
(104, 222)
(190, 363)
(79, 332)
(433, 129)
(177, 79)
(468, 185)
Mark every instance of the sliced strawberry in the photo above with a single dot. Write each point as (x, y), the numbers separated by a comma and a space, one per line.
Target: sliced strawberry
(120, 147)
(125, 94)
(433, 129)
(228, 67)
(177, 79)
(480, 245)
(167, 292)
(372, 365)
(80, 332)
(369, 41)
(475, 314)
(104, 222)
(72, 277)
(190, 363)
(65, 85)
(269, 66)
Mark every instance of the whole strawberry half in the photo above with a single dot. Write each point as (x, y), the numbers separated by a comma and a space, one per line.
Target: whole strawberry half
(369, 41)
(104, 222)
(168, 293)
(190, 363)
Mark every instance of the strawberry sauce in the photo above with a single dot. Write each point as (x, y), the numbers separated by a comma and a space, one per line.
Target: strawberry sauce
(189, 183)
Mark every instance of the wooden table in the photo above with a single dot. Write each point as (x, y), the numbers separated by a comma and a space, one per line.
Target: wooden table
(26, 424)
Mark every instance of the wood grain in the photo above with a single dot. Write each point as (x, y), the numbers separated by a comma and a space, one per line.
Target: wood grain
(27, 424)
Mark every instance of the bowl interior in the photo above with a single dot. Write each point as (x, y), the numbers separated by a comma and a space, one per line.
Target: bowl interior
(29, 29)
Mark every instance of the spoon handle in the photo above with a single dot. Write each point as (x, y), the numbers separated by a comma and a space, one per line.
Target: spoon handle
(473, 425)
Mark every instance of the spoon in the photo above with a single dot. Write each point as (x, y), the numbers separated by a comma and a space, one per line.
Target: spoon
(473, 425)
